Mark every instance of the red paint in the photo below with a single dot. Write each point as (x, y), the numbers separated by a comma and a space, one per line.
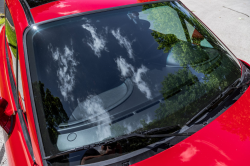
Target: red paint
(245, 62)
(15, 149)
(16, 145)
(67, 7)
(5, 89)
(5, 121)
(3, 105)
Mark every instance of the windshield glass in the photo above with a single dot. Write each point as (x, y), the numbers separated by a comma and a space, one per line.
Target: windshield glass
(107, 74)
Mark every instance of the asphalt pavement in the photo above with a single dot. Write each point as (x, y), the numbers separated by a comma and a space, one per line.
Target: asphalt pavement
(1, 6)
(228, 19)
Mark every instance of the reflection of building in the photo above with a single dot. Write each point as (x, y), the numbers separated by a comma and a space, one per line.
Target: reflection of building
(197, 37)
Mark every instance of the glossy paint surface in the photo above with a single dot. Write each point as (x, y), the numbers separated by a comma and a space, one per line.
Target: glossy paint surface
(67, 7)
(223, 142)
(5, 89)
(16, 147)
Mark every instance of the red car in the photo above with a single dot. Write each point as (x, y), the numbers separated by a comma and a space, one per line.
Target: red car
(128, 82)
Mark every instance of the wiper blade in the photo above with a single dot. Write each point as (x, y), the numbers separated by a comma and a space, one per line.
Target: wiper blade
(221, 98)
(148, 136)
(143, 134)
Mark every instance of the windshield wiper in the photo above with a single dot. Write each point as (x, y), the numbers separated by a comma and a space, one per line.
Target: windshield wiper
(133, 135)
(219, 100)
(143, 134)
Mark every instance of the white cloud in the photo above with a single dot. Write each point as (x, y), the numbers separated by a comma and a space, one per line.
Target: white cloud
(55, 54)
(124, 67)
(142, 85)
(95, 112)
(66, 70)
(128, 70)
(216, 148)
(128, 127)
(124, 42)
(48, 69)
(62, 5)
(97, 43)
(106, 29)
(86, 20)
(149, 119)
(219, 163)
(188, 153)
(68, 13)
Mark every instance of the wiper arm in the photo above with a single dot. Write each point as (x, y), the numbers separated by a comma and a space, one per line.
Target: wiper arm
(148, 134)
(143, 134)
(133, 135)
(222, 97)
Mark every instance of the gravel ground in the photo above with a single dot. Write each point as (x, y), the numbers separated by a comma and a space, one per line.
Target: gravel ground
(228, 19)
(3, 157)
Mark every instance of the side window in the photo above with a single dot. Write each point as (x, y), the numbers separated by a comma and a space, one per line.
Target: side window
(12, 53)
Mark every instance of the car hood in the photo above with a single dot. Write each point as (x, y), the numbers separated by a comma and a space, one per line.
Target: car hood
(225, 141)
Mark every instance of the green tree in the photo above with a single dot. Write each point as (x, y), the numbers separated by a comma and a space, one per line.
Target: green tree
(11, 36)
(187, 54)
(2, 21)
(53, 111)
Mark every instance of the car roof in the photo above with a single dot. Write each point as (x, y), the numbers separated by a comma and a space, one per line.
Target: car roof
(35, 3)
(43, 10)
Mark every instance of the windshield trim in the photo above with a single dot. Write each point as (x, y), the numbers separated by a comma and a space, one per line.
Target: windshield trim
(27, 64)
(35, 116)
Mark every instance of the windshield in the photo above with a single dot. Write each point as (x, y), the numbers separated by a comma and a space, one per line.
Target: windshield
(102, 75)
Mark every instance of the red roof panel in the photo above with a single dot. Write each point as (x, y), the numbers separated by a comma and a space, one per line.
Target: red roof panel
(67, 7)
